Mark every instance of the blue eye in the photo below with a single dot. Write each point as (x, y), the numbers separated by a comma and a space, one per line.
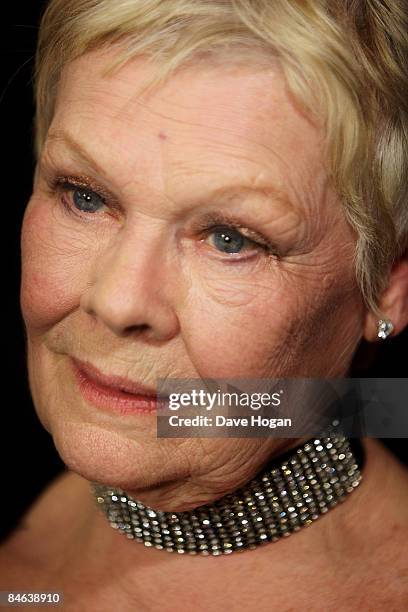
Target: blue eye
(86, 200)
(228, 240)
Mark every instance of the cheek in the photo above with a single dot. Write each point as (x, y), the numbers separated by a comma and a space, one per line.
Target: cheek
(279, 323)
(52, 266)
(239, 326)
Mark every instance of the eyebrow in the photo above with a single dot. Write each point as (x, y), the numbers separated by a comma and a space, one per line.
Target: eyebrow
(235, 188)
(63, 137)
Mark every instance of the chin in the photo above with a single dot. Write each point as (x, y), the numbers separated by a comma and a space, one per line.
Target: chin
(105, 456)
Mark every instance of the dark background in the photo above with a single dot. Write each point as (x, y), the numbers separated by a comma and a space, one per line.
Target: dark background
(28, 458)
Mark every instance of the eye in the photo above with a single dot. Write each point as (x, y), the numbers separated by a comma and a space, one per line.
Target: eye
(226, 233)
(78, 198)
(86, 200)
(229, 240)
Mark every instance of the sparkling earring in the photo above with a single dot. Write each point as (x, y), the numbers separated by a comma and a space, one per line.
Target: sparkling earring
(385, 328)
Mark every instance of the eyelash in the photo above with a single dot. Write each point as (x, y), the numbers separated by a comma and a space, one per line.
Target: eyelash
(64, 185)
(216, 221)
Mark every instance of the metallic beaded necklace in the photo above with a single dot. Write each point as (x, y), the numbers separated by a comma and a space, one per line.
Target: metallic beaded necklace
(290, 493)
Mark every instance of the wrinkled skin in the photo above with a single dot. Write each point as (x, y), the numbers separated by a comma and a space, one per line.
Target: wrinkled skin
(138, 291)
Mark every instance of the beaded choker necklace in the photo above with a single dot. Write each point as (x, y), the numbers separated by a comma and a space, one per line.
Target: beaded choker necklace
(294, 490)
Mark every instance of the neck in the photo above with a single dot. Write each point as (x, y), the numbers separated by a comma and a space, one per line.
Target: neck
(352, 533)
(288, 494)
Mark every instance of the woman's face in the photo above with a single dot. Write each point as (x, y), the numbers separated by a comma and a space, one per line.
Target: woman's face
(138, 280)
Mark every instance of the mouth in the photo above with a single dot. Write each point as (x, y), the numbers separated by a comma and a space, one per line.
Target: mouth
(113, 393)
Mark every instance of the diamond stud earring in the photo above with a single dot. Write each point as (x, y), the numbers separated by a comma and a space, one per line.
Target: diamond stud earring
(385, 328)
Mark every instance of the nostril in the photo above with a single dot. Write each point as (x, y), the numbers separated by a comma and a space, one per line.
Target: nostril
(131, 329)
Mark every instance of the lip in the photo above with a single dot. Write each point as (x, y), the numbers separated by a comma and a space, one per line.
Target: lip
(113, 393)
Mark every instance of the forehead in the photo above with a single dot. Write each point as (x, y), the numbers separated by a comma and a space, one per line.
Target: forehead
(204, 121)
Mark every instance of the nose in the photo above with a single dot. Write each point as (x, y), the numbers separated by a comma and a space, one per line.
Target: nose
(130, 289)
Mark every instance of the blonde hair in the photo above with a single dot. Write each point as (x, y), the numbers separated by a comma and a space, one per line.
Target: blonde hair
(345, 61)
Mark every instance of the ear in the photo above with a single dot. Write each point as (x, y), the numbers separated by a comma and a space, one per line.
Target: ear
(393, 302)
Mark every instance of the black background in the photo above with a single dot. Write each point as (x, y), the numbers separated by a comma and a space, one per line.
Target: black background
(28, 457)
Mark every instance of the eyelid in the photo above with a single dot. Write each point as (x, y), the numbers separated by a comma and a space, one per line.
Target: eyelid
(68, 182)
(219, 219)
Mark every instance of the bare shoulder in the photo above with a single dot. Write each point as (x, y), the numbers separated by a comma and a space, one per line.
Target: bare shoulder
(45, 529)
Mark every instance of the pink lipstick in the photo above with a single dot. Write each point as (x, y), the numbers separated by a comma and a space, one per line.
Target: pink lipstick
(113, 393)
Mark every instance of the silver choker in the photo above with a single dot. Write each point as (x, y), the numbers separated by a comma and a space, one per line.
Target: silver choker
(292, 492)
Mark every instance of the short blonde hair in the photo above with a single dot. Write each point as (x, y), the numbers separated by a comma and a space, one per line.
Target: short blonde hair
(345, 61)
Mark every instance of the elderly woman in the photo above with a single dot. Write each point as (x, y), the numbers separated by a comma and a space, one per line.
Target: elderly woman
(220, 191)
